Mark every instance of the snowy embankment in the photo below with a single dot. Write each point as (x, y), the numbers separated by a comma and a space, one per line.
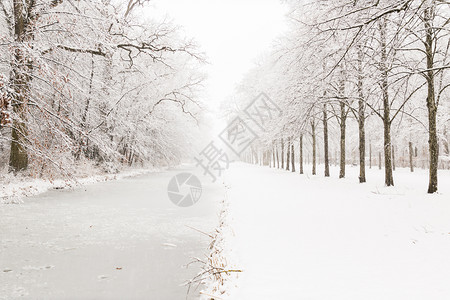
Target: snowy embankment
(14, 188)
(309, 237)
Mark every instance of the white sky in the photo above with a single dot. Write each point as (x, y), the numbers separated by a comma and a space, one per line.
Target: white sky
(232, 33)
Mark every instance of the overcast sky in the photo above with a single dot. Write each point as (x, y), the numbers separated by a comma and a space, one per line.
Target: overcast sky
(232, 33)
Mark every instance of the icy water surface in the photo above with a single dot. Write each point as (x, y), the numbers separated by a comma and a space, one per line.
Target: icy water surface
(115, 240)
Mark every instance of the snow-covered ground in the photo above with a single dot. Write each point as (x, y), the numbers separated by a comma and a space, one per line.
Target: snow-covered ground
(303, 237)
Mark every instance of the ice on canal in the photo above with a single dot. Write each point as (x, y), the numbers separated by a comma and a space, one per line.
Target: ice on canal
(114, 240)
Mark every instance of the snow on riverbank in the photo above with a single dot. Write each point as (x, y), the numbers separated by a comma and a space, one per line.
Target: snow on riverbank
(309, 237)
(217, 272)
(13, 189)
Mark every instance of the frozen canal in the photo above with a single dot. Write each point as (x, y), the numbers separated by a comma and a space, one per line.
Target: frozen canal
(114, 240)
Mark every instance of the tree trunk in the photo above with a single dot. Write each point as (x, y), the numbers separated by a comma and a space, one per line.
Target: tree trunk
(292, 156)
(361, 119)
(393, 158)
(313, 132)
(411, 161)
(325, 141)
(288, 153)
(278, 156)
(342, 123)
(21, 66)
(431, 101)
(301, 154)
(379, 160)
(273, 155)
(342, 141)
(282, 154)
(389, 179)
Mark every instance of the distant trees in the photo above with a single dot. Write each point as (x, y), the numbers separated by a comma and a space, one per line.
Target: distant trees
(353, 60)
(88, 80)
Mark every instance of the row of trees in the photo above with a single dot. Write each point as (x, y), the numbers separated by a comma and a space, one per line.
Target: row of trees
(353, 72)
(91, 80)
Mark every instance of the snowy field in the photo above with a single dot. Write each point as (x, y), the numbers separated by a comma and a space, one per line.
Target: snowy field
(303, 237)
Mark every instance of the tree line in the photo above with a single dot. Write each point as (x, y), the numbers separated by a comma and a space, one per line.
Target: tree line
(360, 82)
(93, 81)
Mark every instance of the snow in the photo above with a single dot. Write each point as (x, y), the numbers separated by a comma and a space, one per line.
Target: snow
(309, 237)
